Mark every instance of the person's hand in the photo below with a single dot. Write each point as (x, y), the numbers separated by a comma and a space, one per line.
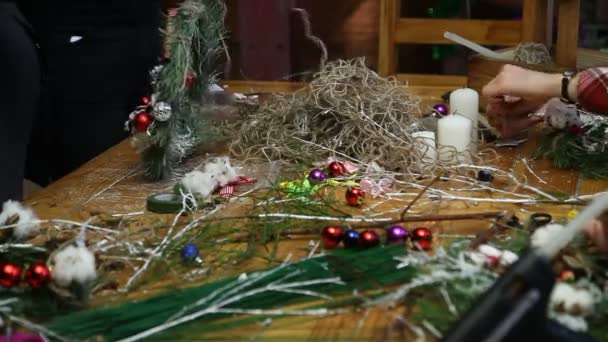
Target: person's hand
(512, 118)
(526, 84)
(515, 93)
(598, 234)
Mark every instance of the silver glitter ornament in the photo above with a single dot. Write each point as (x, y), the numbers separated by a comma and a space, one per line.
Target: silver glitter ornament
(162, 111)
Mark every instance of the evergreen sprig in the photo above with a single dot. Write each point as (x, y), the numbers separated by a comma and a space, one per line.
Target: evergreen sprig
(359, 271)
(586, 153)
(195, 40)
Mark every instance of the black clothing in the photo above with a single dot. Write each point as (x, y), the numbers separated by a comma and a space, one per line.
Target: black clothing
(92, 14)
(19, 96)
(97, 55)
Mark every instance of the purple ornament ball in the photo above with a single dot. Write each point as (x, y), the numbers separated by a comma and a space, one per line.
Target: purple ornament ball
(441, 109)
(396, 234)
(317, 176)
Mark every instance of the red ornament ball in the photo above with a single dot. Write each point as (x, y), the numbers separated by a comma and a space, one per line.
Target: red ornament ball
(38, 275)
(578, 130)
(422, 237)
(355, 197)
(337, 169)
(10, 274)
(369, 239)
(189, 81)
(145, 100)
(567, 276)
(331, 236)
(142, 121)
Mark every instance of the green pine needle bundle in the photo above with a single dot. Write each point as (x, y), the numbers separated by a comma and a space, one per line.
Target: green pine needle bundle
(354, 271)
(183, 83)
(587, 153)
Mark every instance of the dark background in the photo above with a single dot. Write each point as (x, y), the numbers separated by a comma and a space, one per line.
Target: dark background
(267, 42)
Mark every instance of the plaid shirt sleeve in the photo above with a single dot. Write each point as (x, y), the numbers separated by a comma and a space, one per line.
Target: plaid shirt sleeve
(592, 90)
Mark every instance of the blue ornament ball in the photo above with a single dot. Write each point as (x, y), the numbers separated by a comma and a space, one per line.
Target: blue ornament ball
(351, 239)
(396, 234)
(190, 253)
(485, 176)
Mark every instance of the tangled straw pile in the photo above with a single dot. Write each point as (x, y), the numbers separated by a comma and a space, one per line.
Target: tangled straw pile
(346, 111)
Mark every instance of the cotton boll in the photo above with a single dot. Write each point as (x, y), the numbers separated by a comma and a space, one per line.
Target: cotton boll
(561, 293)
(543, 235)
(574, 323)
(566, 298)
(478, 258)
(586, 302)
(229, 171)
(26, 224)
(489, 251)
(73, 264)
(508, 258)
(213, 167)
(223, 170)
(198, 182)
(579, 303)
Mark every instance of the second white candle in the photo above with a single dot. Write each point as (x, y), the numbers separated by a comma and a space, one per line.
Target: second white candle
(454, 138)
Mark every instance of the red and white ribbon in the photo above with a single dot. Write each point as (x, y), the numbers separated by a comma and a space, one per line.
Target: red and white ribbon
(229, 190)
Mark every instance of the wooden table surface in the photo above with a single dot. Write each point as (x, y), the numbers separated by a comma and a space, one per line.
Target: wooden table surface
(111, 186)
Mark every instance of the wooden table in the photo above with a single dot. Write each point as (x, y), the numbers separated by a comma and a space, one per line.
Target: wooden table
(110, 186)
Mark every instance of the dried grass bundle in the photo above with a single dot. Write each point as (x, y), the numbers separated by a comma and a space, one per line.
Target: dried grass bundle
(346, 111)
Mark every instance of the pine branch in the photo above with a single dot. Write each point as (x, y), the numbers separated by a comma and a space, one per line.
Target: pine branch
(195, 41)
(267, 292)
(587, 154)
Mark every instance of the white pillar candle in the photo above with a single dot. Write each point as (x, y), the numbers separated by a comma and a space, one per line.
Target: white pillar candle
(465, 102)
(425, 143)
(454, 135)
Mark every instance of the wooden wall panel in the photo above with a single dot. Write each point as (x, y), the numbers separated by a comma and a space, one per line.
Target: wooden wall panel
(349, 28)
(265, 37)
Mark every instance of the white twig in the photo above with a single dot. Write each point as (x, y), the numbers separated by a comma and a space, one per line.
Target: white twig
(421, 336)
(432, 329)
(531, 171)
(155, 253)
(326, 218)
(235, 292)
(448, 300)
(508, 175)
(67, 222)
(311, 312)
(7, 246)
(35, 327)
